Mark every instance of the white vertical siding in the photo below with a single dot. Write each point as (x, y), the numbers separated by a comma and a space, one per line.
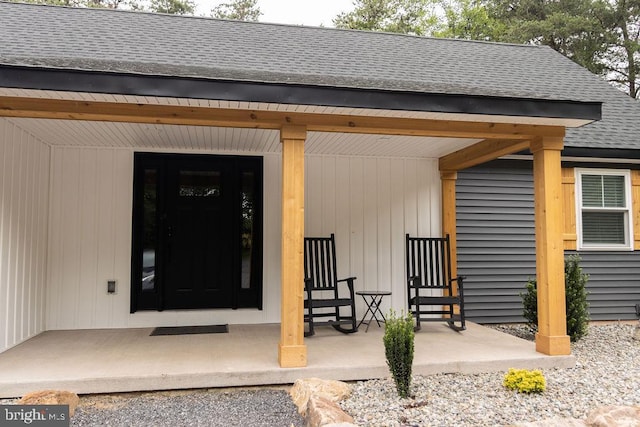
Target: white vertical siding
(90, 237)
(24, 189)
(272, 232)
(369, 203)
(90, 243)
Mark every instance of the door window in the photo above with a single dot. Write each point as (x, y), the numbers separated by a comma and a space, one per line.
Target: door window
(150, 230)
(199, 184)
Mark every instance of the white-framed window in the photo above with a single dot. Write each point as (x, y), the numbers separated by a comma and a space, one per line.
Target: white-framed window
(603, 209)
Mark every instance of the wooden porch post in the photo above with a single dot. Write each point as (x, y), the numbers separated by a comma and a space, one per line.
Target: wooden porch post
(448, 179)
(552, 338)
(292, 352)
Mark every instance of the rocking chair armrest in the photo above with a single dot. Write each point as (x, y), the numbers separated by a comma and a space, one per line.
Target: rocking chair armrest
(459, 281)
(308, 285)
(412, 281)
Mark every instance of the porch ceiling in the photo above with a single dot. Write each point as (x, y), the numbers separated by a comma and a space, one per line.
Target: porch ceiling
(75, 133)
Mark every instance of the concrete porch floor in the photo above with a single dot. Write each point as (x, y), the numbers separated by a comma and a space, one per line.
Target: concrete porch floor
(119, 360)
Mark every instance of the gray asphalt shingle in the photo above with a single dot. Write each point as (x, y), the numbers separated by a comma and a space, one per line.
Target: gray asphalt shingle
(143, 43)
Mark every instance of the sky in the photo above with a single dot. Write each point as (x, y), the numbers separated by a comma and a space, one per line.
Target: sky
(296, 12)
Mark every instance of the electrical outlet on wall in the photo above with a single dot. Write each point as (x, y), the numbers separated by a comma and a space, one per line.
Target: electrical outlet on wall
(111, 286)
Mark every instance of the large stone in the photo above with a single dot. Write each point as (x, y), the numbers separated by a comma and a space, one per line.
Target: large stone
(614, 416)
(323, 412)
(51, 397)
(304, 388)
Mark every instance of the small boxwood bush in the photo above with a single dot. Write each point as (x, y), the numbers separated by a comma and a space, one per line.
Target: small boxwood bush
(398, 347)
(525, 381)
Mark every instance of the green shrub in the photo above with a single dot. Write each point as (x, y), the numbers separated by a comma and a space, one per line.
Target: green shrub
(577, 307)
(525, 381)
(398, 347)
(576, 294)
(530, 303)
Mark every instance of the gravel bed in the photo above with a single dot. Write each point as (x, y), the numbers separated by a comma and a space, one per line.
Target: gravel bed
(256, 407)
(259, 407)
(607, 373)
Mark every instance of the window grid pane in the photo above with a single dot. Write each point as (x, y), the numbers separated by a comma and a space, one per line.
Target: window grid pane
(613, 188)
(592, 191)
(603, 227)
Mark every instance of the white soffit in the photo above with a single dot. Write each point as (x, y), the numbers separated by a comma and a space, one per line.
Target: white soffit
(140, 136)
(260, 106)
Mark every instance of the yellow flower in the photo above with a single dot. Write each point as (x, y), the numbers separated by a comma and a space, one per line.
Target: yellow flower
(525, 381)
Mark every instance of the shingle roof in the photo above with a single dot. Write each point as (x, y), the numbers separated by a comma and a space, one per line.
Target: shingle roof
(155, 44)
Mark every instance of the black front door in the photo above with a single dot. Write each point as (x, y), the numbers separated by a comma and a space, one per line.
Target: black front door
(197, 233)
(200, 234)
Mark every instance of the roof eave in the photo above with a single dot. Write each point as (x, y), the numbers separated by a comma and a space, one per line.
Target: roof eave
(84, 81)
(602, 153)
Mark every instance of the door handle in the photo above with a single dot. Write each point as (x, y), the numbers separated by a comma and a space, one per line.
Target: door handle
(169, 242)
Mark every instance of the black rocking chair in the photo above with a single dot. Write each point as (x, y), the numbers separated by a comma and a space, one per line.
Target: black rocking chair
(323, 299)
(430, 287)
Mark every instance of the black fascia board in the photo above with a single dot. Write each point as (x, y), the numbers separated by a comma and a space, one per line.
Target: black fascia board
(39, 78)
(528, 164)
(601, 153)
(594, 153)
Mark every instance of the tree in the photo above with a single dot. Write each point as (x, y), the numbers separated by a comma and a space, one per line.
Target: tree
(623, 66)
(575, 28)
(469, 19)
(174, 7)
(240, 10)
(72, 3)
(396, 16)
(179, 7)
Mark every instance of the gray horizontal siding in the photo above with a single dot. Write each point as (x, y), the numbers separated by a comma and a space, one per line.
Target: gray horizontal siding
(496, 241)
(496, 251)
(614, 284)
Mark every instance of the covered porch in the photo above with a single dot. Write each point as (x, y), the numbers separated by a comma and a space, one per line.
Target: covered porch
(365, 146)
(71, 293)
(121, 360)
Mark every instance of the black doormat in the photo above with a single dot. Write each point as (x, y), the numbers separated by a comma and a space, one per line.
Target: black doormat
(186, 330)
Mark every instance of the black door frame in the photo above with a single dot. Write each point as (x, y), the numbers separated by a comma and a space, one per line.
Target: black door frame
(153, 299)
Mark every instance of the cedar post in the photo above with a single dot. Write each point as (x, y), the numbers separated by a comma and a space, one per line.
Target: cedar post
(292, 352)
(552, 338)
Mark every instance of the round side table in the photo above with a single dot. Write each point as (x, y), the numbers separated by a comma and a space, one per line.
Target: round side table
(373, 299)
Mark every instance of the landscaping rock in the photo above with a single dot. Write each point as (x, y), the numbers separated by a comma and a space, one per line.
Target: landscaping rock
(304, 388)
(51, 397)
(614, 416)
(323, 412)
